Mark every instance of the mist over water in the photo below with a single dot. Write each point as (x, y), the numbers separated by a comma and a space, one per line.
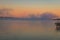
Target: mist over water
(28, 30)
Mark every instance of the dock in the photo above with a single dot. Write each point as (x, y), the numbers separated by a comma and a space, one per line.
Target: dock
(57, 23)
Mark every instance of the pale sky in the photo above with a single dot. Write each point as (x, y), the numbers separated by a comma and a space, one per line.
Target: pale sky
(24, 7)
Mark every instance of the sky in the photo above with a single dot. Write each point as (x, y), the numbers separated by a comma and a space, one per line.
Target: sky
(22, 8)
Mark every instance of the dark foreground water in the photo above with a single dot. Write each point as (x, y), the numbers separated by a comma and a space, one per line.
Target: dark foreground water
(28, 30)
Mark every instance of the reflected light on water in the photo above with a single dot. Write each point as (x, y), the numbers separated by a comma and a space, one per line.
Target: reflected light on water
(17, 29)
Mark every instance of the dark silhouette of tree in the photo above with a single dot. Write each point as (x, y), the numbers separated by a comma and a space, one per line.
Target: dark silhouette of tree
(5, 11)
(47, 15)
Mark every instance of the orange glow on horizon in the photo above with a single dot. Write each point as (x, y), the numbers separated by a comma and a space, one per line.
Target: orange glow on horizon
(24, 12)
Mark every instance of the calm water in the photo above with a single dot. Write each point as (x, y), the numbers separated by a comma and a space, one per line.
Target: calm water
(28, 30)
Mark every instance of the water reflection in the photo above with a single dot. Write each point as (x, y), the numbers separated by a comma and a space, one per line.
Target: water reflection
(16, 30)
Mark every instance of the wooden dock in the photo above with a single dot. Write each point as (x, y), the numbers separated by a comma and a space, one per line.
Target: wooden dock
(57, 23)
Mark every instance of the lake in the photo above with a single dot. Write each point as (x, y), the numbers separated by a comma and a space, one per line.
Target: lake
(28, 30)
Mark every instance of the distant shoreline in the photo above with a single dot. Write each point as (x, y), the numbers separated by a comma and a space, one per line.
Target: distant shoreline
(12, 18)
